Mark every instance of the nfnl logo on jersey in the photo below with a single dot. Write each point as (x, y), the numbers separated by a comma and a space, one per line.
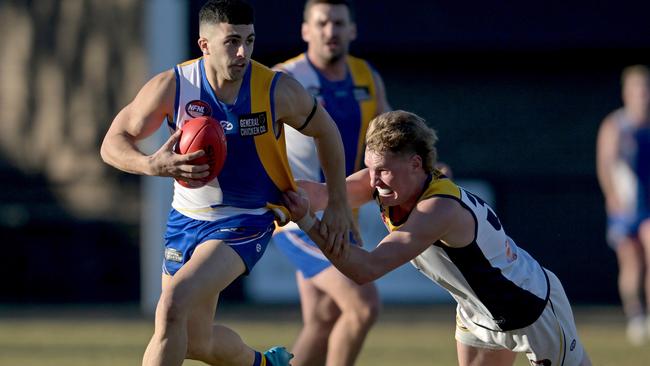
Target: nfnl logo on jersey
(253, 124)
(198, 108)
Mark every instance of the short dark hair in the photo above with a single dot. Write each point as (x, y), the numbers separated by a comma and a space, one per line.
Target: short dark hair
(226, 11)
(311, 3)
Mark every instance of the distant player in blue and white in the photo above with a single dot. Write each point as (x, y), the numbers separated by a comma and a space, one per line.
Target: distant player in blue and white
(217, 232)
(623, 165)
(337, 313)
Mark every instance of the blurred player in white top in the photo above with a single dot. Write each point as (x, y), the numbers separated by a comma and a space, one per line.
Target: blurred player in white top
(623, 165)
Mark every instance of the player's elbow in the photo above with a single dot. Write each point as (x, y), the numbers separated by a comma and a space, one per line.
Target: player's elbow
(362, 280)
(103, 152)
(107, 153)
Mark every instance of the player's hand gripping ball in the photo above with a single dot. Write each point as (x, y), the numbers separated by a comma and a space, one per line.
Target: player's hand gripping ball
(204, 133)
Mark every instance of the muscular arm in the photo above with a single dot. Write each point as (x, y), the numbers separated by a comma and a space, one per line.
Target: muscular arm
(418, 233)
(293, 106)
(606, 155)
(138, 120)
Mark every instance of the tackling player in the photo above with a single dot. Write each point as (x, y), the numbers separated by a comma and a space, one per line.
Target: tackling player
(507, 302)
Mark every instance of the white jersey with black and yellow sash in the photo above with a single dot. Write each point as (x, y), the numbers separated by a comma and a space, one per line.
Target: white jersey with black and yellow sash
(256, 170)
(497, 285)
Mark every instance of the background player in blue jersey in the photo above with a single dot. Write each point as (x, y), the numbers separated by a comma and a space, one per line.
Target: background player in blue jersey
(337, 313)
(218, 232)
(507, 302)
(623, 166)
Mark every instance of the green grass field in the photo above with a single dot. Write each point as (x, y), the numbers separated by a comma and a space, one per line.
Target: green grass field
(405, 336)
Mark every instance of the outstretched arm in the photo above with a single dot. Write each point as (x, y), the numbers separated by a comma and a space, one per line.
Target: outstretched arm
(357, 186)
(138, 120)
(417, 234)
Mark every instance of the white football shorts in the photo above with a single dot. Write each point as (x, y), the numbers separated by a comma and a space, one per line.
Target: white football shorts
(551, 340)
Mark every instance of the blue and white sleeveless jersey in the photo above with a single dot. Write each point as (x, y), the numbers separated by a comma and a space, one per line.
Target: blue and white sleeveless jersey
(632, 172)
(497, 285)
(256, 169)
(351, 103)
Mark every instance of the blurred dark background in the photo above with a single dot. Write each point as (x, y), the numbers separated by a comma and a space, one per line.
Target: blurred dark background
(515, 90)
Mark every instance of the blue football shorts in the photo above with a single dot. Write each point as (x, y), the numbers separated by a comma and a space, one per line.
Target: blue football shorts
(248, 235)
(301, 251)
(624, 226)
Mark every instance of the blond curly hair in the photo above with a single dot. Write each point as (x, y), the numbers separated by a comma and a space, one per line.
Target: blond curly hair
(403, 133)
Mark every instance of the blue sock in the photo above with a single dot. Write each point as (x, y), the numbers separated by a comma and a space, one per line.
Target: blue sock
(258, 359)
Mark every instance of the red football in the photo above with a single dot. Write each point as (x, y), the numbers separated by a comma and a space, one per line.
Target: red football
(204, 133)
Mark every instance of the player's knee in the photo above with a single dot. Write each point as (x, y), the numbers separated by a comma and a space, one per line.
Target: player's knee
(369, 312)
(199, 349)
(323, 320)
(363, 315)
(644, 233)
(172, 307)
(325, 314)
(627, 254)
(370, 307)
(203, 348)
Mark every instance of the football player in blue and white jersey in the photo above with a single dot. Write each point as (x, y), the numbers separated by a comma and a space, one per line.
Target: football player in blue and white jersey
(218, 232)
(337, 313)
(623, 167)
